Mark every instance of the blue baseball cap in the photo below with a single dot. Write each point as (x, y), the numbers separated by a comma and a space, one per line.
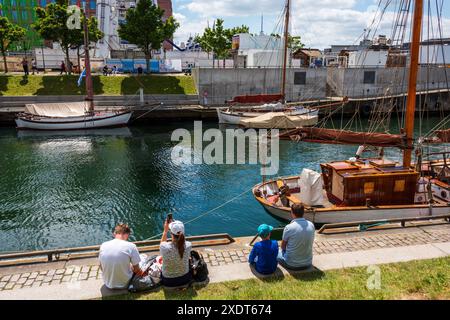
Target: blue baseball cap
(264, 230)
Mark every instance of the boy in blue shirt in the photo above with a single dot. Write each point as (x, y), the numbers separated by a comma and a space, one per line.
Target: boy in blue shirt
(264, 253)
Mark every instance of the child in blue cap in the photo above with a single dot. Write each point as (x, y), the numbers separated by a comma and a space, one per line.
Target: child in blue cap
(264, 253)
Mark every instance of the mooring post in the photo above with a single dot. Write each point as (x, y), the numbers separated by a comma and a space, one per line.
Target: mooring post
(141, 95)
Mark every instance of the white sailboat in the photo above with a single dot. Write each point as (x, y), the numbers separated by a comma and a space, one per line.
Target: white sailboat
(300, 115)
(235, 116)
(73, 116)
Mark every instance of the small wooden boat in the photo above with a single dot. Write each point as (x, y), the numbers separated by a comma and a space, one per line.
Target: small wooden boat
(354, 191)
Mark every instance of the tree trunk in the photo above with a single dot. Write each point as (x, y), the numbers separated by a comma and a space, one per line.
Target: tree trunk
(147, 62)
(68, 61)
(79, 59)
(224, 63)
(4, 60)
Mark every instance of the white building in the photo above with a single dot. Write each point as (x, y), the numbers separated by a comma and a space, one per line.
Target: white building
(367, 58)
(110, 13)
(257, 51)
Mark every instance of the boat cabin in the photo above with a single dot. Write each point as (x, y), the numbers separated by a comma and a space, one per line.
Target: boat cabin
(369, 182)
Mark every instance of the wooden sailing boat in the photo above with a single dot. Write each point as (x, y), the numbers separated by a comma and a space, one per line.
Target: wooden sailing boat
(73, 116)
(370, 189)
(275, 103)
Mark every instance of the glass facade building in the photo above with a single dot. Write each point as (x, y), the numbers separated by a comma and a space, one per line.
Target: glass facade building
(22, 12)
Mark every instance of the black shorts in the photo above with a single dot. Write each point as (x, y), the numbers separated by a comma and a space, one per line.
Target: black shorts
(178, 281)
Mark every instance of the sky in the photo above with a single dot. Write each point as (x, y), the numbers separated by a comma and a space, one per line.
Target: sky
(320, 23)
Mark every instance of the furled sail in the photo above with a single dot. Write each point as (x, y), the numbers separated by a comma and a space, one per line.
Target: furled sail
(333, 136)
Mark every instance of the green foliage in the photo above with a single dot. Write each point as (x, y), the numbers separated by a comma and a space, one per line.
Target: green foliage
(51, 24)
(146, 28)
(294, 42)
(9, 33)
(218, 40)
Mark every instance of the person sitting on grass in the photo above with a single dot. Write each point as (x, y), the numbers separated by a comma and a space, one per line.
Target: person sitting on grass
(298, 239)
(264, 253)
(176, 255)
(119, 259)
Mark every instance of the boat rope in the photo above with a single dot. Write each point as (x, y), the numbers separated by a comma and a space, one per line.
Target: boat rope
(147, 112)
(207, 212)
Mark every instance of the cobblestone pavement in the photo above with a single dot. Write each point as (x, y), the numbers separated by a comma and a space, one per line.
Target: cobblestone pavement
(216, 256)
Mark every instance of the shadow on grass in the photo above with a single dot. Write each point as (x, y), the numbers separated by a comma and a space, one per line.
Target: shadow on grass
(274, 277)
(311, 274)
(4, 79)
(67, 85)
(24, 80)
(184, 293)
(152, 85)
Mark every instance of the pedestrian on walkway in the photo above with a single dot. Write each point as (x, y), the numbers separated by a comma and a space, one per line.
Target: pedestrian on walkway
(298, 238)
(25, 67)
(63, 68)
(34, 66)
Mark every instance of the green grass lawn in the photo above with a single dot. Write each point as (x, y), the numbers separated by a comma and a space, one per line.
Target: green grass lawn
(425, 279)
(16, 85)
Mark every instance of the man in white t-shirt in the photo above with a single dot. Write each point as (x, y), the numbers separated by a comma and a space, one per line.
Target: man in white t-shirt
(119, 259)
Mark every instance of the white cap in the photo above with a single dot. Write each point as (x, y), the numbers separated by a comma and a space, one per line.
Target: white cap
(176, 227)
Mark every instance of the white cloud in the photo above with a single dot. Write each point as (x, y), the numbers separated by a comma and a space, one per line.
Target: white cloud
(320, 23)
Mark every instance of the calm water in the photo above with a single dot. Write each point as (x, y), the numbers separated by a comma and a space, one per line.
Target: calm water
(70, 190)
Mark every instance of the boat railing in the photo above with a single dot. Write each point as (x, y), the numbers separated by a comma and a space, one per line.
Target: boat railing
(66, 254)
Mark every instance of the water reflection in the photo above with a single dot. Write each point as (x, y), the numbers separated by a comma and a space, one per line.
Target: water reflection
(60, 189)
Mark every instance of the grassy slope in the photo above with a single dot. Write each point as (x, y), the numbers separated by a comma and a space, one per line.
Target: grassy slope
(426, 279)
(112, 85)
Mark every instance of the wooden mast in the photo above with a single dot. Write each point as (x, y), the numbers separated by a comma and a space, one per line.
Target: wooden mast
(87, 64)
(285, 54)
(413, 69)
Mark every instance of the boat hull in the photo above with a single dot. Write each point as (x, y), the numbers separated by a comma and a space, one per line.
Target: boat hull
(349, 214)
(234, 117)
(101, 120)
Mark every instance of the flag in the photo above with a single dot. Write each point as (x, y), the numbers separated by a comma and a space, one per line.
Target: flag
(80, 79)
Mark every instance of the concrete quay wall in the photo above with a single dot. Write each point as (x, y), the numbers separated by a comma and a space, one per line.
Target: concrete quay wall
(224, 84)
(221, 85)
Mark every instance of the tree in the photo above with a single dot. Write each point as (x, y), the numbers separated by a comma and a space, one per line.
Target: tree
(219, 40)
(294, 42)
(9, 33)
(146, 28)
(52, 24)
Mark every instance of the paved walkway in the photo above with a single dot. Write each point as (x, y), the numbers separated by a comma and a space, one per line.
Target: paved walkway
(81, 279)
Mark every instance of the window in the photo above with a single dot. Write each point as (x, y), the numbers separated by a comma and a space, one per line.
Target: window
(369, 77)
(399, 186)
(92, 4)
(300, 78)
(369, 187)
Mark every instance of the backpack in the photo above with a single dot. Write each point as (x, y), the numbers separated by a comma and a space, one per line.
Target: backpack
(147, 283)
(199, 268)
